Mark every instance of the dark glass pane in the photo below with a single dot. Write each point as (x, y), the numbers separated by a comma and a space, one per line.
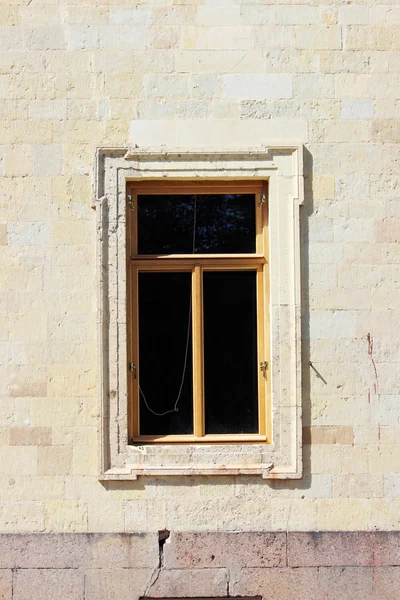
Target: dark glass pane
(230, 352)
(201, 223)
(165, 346)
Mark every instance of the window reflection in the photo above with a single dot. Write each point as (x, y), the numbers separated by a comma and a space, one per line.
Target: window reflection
(196, 223)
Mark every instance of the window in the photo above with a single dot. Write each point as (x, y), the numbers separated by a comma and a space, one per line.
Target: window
(197, 325)
(141, 277)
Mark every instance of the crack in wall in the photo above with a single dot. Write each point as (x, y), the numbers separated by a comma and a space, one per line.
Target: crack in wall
(163, 535)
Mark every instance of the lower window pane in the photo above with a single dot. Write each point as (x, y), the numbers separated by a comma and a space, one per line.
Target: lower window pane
(230, 352)
(165, 353)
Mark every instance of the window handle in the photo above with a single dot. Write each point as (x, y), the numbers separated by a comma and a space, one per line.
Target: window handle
(264, 367)
(133, 369)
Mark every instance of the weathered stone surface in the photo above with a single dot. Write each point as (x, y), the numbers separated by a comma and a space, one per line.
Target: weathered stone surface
(201, 550)
(190, 582)
(386, 583)
(73, 551)
(47, 584)
(278, 584)
(125, 584)
(341, 583)
(353, 548)
(6, 588)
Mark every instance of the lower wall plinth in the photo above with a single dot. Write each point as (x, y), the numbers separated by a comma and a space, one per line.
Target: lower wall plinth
(267, 565)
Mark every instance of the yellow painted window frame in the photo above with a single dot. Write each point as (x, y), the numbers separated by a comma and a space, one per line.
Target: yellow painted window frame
(197, 264)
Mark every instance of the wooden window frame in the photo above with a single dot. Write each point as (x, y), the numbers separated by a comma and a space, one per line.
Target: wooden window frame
(197, 264)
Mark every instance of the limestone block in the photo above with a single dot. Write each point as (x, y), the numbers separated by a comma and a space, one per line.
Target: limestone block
(163, 38)
(30, 325)
(357, 109)
(166, 86)
(138, 15)
(48, 109)
(326, 459)
(217, 38)
(358, 486)
(70, 232)
(12, 38)
(297, 15)
(76, 159)
(355, 14)
(122, 37)
(28, 488)
(18, 459)
(39, 14)
(344, 514)
(107, 515)
(388, 38)
(121, 85)
(145, 515)
(392, 485)
(30, 436)
(204, 86)
(66, 516)
(328, 435)
(219, 15)
(318, 37)
(181, 13)
(332, 324)
(47, 160)
(22, 516)
(17, 160)
(257, 86)
(55, 460)
(43, 37)
(313, 86)
(83, 37)
(384, 459)
(68, 189)
(275, 37)
(84, 459)
(360, 37)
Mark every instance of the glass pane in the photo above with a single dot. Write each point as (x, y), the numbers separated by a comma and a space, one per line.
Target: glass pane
(230, 352)
(196, 223)
(165, 353)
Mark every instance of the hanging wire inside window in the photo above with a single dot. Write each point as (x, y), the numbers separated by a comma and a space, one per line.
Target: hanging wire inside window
(175, 408)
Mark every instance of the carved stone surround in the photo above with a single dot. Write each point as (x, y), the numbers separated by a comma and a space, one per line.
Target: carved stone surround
(282, 165)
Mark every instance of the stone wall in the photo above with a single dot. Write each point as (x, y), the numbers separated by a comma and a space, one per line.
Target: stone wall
(277, 566)
(74, 74)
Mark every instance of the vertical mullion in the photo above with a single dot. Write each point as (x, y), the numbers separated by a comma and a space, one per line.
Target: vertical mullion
(197, 324)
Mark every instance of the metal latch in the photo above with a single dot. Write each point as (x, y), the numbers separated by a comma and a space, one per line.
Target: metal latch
(132, 369)
(263, 200)
(130, 202)
(264, 366)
